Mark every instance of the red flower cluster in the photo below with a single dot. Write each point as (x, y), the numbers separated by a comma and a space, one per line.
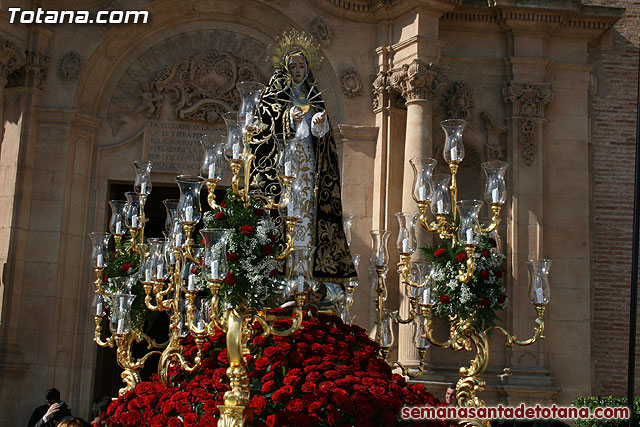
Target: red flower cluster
(219, 216)
(231, 279)
(325, 374)
(125, 267)
(461, 257)
(232, 257)
(247, 230)
(439, 252)
(444, 298)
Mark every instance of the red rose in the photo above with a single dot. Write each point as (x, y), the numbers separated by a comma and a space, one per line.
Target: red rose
(259, 403)
(484, 275)
(223, 204)
(271, 420)
(295, 405)
(247, 230)
(173, 422)
(486, 253)
(258, 212)
(439, 252)
(262, 363)
(219, 216)
(190, 420)
(267, 386)
(327, 386)
(159, 420)
(259, 340)
(377, 390)
(194, 270)
(334, 417)
(308, 387)
(502, 299)
(315, 407)
(125, 267)
(461, 257)
(232, 257)
(444, 298)
(273, 273)
(499, 274)
(231, 279)
(283, 394)
(267, 249)
(485, 302)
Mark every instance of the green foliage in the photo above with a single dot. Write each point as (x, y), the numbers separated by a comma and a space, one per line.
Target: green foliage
(605, 401)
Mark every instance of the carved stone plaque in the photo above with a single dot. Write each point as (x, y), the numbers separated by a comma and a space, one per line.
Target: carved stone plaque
(174, 146)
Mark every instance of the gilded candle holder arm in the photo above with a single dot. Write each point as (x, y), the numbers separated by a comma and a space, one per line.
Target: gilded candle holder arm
(538, 332)
(290, 224)
(427, 325)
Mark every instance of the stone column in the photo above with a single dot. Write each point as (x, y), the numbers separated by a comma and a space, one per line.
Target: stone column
(419, 83)
(526, 104)
(11, 58)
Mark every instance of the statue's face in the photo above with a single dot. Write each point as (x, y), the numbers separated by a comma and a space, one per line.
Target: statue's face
(297, 69)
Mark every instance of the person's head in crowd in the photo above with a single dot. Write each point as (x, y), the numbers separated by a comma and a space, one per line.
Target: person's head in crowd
(52, 396)
(317, 293)
(450, 395)
(99, 408)
(71, 422)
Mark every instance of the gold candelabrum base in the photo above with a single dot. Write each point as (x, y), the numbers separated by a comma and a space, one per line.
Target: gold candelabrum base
(211, 197)
(464, 336)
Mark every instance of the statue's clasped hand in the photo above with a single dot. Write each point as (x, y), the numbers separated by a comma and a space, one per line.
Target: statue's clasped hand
(321, 118)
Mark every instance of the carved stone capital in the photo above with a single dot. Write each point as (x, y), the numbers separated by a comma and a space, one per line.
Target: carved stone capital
(418, 80)
(11, 58)
(379, 88)
(33, 72)
(350, 80)
(457, 101)
(528, 101)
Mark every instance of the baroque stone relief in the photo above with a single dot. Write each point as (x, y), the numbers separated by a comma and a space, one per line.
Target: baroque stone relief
(528, 101)
(11, 57)
(350, 80)
(32, 73)
(69, 66)
(322, 32)
(190, 76)
(379, 87)
(457, 101)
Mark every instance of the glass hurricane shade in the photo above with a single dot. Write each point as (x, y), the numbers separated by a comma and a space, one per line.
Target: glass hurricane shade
(379, 254)
(422, 178)
(386, 334)
(134, 207)
(189, 210)
(120, 320)
(190, 274)
(406, 243)
(292, 201)
(143, 177)
(214, 265)
(539, 288)
(117, 223)
(250, 93)
(99, 248)
(495, 190)
(347, 223)
(469, 228)
(373, 275)
(234, 147)
(420, 274)
(289, 157)
(171, 206)
(300, 268)
(419, 340)
(98, 305)
(453, 150)
(212, 161)
(440, 197)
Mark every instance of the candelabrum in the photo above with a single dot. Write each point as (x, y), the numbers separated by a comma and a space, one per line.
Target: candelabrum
(345, 310)
(456, 221)
(184, 280)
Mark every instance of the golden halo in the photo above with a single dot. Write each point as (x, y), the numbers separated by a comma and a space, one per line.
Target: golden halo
(295, 41)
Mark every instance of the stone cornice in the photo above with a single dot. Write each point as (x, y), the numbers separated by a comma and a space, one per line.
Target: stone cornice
(374, 11)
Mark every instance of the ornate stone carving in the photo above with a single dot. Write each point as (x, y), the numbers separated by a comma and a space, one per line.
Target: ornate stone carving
(380, 86)
(201, 87)
(11, 58)
(70, 66)
(418, 80)
(33, 72)
(528, 101)
(188, 76)
(351, 84)
(457, 101)
(322, 32)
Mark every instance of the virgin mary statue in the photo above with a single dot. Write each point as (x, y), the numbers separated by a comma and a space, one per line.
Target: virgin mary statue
(292, 107)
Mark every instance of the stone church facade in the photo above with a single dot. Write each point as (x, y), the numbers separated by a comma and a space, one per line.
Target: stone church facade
(548, 86)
